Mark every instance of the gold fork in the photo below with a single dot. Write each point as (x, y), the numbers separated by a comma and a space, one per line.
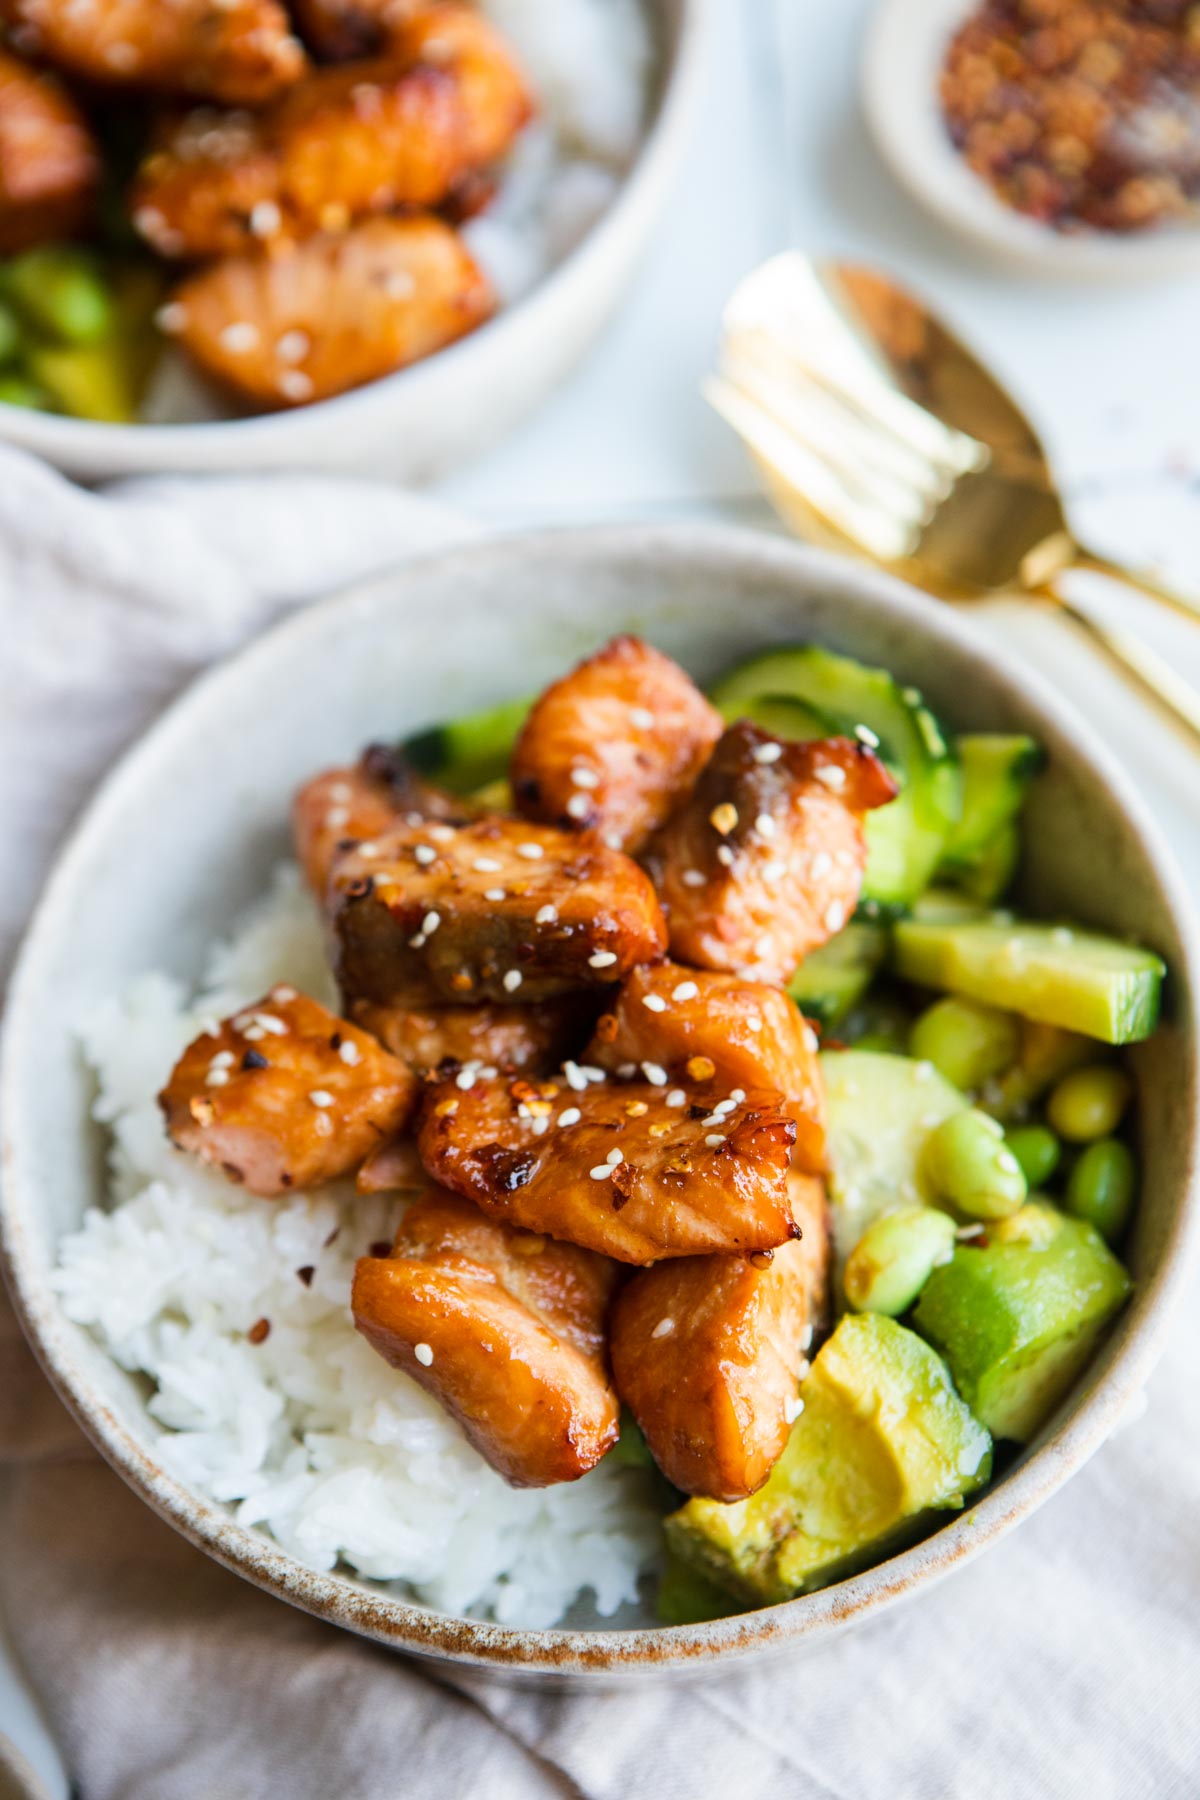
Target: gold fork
(875, 430)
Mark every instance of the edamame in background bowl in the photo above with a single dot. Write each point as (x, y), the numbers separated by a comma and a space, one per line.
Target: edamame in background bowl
(1005, 1065)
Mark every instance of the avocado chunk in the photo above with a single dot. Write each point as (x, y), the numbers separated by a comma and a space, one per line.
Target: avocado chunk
(1096, 985)
(1017, 1318)
(997, 769)
(879, 1111)
(686, 1597)
(883, 1440)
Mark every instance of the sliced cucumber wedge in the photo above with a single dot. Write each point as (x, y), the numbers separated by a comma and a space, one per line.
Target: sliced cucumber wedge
(1091, 984)
(834, 978)
(997, 769)
(907, 839)
(471, 752)
(988, 878)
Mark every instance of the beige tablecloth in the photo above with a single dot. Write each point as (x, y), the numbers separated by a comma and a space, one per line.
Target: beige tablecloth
(1065, 1664)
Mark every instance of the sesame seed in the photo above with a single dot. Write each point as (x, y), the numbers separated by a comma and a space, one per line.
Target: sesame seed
(531, 852)
(224, 1059)
(835, 915)
(725, 1106)
(487, 865)
(417, 942)
(664, 1328)
(466, 1077)
(676, 1097)
(792, 1409)
(768, 753)
(512, 980)
(654, 1003)
(627, 1070)
(602, 1172)
(754, 1022)
(576, 1079)
(216, 1078)
(578, 806)
(254, 1034)
(714, 1138)
(737, 1095)
(294, 384)
(337, 816)
(692, 878)
(687, 990)
(368, 850)
(430, 923)
(423, 1354)
(822, 862)
(293, 346)
(268, 1022)
(723, 818)
(283, 993)
(240, 337)
(831, 776)
(642, 718)
(321, 1097)
(613, 840)
(811, 1040)
(591, 1074)
(774, 871)
(655, 1074)
(265, 220)
(571, 1115)
(614, 1157)
(966, 1232)
(425, 854)
(171, 318)
(725, 855)
(350, 1053)
(210, 1027)
(602, 959)
(763, 946)
(546, 915)
(806, 1338)
(540, 1126)
(495, 893)
(585, 778)
(866, 736)
(765, 825)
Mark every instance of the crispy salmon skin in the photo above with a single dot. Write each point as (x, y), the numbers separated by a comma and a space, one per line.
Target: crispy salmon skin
(504, 1328)
(285, 1095)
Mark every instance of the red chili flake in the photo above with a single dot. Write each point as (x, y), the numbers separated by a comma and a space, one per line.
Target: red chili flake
(259, 1332)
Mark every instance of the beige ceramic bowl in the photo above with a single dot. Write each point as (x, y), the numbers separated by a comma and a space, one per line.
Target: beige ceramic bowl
(418, 423)
(183, 835)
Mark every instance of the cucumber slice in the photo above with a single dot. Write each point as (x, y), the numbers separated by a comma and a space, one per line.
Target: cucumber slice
(996, 772)
(1091, 984)
(991, 875)
(905, 840)
(879, 1111)
(835, 977)
(471, 752)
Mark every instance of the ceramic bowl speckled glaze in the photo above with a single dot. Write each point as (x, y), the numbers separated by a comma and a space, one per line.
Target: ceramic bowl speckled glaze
(418, 423)
(184, 833)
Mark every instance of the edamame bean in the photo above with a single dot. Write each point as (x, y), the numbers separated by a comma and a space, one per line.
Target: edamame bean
(59, 291)
(18, 390)
(1102, 1185)
(1037, 1150)
(968, 1163)
(1089, 1103)
(895, 1257)
(965, 1041)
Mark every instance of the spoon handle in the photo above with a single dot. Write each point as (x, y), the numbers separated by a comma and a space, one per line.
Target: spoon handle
(1146, 584)
(1152, 674)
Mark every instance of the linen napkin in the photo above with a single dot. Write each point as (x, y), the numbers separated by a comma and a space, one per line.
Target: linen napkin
(1065, 1663)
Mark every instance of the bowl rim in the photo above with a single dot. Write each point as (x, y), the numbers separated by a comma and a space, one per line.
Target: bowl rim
(901, 50)
(679, 79)
(566, 1652)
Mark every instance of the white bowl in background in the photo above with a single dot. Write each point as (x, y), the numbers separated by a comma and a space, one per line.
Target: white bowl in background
(185, 832)
(421, 421)
(901, 61)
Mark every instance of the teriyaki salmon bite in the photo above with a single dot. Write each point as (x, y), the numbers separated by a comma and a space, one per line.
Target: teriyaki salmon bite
(734, 1137)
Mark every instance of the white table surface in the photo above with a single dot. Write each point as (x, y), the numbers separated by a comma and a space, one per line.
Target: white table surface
(1110, 376)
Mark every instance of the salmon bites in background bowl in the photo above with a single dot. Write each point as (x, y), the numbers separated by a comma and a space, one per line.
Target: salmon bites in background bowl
(268, 235)
(575, 1281)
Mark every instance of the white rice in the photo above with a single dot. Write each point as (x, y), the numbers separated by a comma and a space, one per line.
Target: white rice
(589, 63)
(309, 1435)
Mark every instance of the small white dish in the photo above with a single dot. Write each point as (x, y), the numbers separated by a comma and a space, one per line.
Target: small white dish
(902, 57)
(416, 424)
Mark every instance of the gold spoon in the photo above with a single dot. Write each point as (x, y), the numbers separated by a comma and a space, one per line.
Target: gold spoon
(878, 432)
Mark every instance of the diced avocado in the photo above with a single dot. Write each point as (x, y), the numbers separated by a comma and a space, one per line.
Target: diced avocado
(1078, 979)
(470, 752)
(879, 1111)
(996, 772)
(882, 1441)
(834, 978)
(1017, 1318)
(686, 1597)
(89, 381)
(906, 839)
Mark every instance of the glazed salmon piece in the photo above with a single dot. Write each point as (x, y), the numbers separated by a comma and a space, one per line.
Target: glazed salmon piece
(358, 802)
(716, 1033)
(614, 745)
(628, 1169)
(356, 139)
(285, 1095)
(765, 861)
(708, 1353)
(396, 1167)
(344, 30)
(526, 1038)
(49, 164)
(237, 51)
(504, 1328)
(493, 910)
(280, 329)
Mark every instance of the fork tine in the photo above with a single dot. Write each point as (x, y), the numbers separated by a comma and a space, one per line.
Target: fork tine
(866, 524)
